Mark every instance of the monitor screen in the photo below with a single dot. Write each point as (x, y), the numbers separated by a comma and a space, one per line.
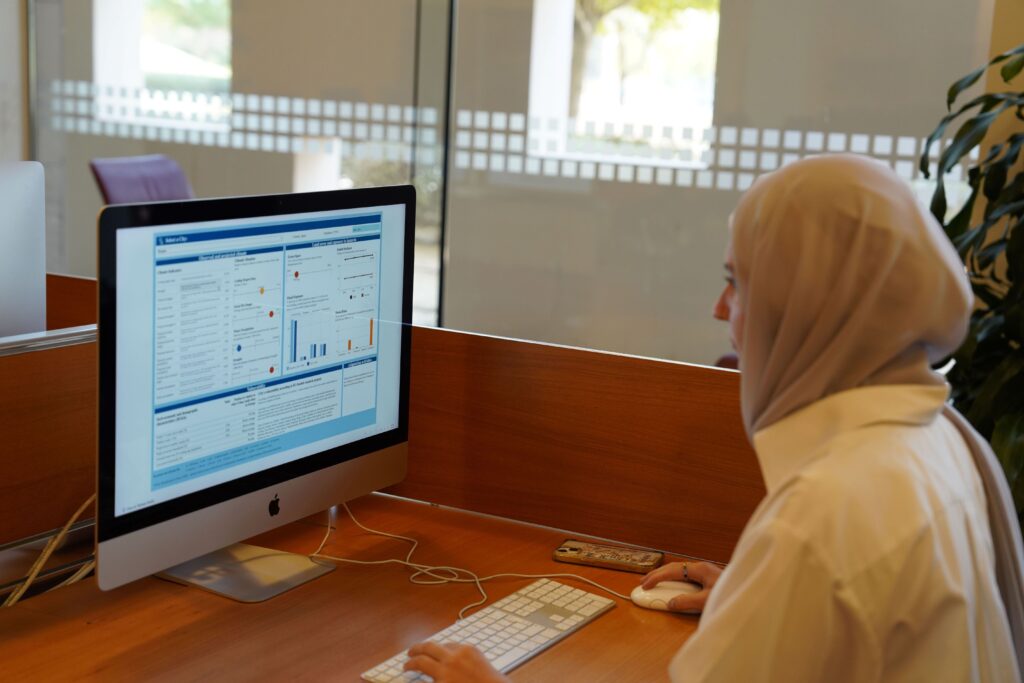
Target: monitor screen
(254, 341)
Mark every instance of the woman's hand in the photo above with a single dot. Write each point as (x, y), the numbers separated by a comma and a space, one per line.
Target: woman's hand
(704, 573)
(452, 663)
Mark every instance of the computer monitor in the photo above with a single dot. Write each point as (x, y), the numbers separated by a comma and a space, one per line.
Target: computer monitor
(23, 252)
(254, 369)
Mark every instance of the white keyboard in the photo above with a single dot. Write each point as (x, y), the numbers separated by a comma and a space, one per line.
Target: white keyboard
(513, 629)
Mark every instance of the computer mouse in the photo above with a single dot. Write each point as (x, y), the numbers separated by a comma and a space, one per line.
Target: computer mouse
(659, 596)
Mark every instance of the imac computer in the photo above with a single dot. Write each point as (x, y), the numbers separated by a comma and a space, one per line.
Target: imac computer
(254, 369)
(23, 256)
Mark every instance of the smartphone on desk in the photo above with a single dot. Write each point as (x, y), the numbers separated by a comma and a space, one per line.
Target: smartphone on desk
(607, 556)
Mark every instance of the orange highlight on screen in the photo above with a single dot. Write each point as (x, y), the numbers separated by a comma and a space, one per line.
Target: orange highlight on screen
(371, 331)
(349, 344)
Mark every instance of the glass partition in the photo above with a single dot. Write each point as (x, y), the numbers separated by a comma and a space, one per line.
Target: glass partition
(248, 96)
(599, 146)
(576, 160)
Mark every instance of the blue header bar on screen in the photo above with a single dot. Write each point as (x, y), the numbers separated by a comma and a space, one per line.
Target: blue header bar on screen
(203, 236)
(328, 243)
(237, 253)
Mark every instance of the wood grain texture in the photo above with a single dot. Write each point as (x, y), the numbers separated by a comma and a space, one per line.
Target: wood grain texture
(643, 451)
(335, 627)
(70, 301)
(48, 419)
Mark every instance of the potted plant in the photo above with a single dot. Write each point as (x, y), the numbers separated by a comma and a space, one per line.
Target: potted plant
(988, 376)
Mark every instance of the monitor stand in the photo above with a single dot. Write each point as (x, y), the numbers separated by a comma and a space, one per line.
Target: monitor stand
(247, 573)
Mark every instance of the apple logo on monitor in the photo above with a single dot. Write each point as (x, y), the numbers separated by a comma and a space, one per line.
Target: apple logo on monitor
(275, 506)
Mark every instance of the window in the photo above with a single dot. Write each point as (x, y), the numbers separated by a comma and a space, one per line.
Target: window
(165, 61)
(186, 45)
(627, 79)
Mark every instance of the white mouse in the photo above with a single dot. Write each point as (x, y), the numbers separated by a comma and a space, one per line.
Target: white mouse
(659, 596)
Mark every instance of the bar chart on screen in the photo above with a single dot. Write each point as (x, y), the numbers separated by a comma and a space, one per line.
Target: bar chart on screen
(331, 299)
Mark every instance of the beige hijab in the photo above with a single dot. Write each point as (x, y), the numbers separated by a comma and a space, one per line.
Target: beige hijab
(845, 281)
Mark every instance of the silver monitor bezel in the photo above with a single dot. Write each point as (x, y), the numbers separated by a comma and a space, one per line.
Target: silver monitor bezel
(152, 539)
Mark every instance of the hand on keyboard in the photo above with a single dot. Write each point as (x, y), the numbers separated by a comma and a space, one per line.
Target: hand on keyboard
(452, 663)
(507, 633)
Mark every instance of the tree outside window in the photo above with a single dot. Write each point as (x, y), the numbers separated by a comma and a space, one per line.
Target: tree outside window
(640, 62)
(186, 45)
(165, 62)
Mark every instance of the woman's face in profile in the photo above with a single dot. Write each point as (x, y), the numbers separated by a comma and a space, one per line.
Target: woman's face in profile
(727, 307)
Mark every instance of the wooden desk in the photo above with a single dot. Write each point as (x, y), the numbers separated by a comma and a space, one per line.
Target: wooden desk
(335, 627)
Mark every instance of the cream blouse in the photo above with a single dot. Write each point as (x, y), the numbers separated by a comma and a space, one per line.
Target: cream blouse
(870, 559)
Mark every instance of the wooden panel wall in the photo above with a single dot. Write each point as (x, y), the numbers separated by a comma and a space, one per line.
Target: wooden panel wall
(70, 301)
(643, 451)
(48, 451)
(48, 420)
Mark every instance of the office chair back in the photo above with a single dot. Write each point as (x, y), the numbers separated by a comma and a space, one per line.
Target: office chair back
(149, 178)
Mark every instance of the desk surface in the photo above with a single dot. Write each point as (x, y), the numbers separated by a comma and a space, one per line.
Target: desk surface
(337, 626)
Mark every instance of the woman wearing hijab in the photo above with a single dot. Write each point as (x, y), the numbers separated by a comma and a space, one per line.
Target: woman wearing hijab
(887, 547)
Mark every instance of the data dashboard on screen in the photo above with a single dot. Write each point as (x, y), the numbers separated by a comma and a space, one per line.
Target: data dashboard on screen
(249, 343)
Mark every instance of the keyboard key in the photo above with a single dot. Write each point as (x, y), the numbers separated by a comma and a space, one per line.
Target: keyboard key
(512, 629)
(512, 655)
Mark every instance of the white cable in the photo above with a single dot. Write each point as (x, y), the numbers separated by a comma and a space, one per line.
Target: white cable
(77, 576)
(440, 574)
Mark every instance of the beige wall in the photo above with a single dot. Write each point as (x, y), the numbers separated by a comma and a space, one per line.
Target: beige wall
(873, 66)
(1007, 33)
(342, 49)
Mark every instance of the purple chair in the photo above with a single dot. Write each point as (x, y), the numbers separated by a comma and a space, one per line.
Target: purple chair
(729, 360)
(149, 178)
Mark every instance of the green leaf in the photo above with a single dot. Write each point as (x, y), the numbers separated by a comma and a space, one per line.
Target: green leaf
(967, 138)
(987, 256)
(984, 102)
(1012, 68)
(963, 84)
(1015, 253)
(993, 151)
(939, 205)
(988, 327)
(1012, 192)
(995, 179)
(971, 78)
(958, 224)
(968, 240)
(1008, 444)
(985, 293)
(981, 414)
(996, 189)
(1014, 328)
(1010, 208)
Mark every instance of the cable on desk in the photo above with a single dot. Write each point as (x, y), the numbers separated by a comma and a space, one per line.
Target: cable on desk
(80, 574)
(440, 574)
(51, 545)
